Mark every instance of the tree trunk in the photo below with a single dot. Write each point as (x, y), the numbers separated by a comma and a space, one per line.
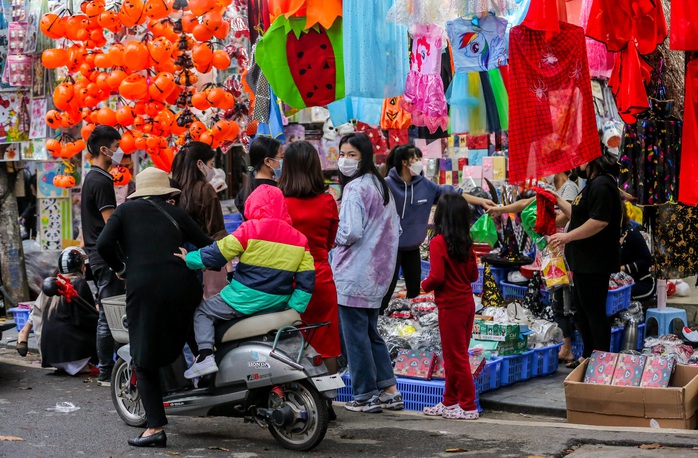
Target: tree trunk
(12, 268)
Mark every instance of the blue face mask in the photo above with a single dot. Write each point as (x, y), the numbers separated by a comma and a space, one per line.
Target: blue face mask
(277, 172)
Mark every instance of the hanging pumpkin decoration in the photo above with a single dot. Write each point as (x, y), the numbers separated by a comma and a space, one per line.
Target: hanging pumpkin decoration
(54, 58)
(132, 13)
(133, 87)
(52, 25)
(136, 56)
(86, 131)
(196, 129)
(64, 181)
(110, 20)
(121, 175)
(158, 9)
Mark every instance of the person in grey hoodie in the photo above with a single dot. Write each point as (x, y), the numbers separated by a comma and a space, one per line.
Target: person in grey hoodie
(366, 243)
(414, 197)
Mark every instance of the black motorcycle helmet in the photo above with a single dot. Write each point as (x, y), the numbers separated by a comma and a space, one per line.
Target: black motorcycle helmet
(71, 261)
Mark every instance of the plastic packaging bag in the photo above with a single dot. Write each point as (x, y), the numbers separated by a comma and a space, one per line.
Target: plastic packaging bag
(485, 231)
(528, 221)
(554, 268)
(63, 407)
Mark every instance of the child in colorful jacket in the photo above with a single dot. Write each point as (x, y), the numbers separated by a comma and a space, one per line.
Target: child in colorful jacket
(275, 270)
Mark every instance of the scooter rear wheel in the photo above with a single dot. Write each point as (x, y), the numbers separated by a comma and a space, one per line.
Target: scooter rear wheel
(125, 396)
(306, 401)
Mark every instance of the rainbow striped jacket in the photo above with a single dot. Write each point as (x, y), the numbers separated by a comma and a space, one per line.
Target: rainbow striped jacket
(275, 269)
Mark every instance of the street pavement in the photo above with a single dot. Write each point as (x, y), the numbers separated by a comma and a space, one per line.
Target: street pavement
(95, 430)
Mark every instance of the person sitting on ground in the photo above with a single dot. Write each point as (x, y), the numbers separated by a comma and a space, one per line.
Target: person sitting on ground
(69, 329)
(276, 270)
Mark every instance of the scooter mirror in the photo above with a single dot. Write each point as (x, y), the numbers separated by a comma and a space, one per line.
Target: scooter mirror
(49, 286)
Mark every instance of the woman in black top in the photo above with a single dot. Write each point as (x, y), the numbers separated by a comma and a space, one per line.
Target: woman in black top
(162, 293)
(592, 249)
(266, 157)
(636, 260)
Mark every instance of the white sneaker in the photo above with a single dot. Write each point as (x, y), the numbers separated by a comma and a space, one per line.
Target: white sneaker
(199, 369)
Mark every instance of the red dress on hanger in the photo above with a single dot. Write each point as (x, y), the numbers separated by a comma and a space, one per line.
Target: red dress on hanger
(631, 27)
(552, 123)
(688, 181)
(684, 23)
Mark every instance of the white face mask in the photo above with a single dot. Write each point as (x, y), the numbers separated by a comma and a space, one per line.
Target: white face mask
(209, 172)
(416, 168)
(116, 156)
(348, 167)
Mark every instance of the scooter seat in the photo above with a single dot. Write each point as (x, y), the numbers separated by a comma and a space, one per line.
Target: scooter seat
(259, 324)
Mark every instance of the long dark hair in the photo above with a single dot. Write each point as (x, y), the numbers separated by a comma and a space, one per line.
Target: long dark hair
(301, 175)
(186, 173)
(361, 142)
(452, 221)
(260, 149)
(603, 164)
(397, 155)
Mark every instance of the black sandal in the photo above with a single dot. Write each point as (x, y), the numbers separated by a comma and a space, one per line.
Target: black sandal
(573, 365)
(22, 348)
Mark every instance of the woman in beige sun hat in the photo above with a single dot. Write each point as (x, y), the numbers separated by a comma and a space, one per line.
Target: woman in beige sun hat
(162, 292)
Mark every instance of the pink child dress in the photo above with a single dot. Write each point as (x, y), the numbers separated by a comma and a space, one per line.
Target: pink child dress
(424, 90)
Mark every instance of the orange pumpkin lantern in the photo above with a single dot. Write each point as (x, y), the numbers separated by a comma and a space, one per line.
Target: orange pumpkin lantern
(121, 175)
(201, 33)
(133, 87)
(215, 96)
(54, 58)
(136, 57)
(64, 181)
(200, 7)
(53, 119)
(53, 147)
(76, 28)
(196, 129)
(160, 49)
(222, 31)
(115, 78)
(200, 101)
(212, 20)
(220, 59)
(87, 130)
(52, 26)
(116, 54)
(110, 21)
(132, 13)
(63, 96)
(106, 116)
(158, 9)
(102, 61)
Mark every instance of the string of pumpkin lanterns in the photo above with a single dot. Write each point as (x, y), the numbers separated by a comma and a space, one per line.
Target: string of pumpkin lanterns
(154, 79)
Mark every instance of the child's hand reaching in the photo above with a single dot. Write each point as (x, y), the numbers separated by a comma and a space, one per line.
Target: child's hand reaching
(182, 254)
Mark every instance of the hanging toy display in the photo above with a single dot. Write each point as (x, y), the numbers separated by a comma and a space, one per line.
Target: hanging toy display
(142, 76)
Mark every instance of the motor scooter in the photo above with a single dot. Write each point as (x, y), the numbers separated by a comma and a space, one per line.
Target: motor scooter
(267, 374)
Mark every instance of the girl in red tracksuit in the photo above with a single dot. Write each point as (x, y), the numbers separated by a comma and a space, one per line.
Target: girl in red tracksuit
(453, 269)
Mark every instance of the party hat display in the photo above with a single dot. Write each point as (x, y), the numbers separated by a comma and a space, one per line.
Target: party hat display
(491, 296)
(533, 299)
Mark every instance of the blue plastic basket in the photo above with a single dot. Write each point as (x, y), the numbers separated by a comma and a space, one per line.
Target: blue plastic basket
(426, 268)
(20, 316)
(477, 286)
(516, 368)
(488, 380)
(417, 394)
(510, 291)
(618, 299)
(545, 360)
(500, 274)
(616, 340)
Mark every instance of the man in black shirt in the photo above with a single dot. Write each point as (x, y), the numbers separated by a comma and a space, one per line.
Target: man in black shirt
(97, 204)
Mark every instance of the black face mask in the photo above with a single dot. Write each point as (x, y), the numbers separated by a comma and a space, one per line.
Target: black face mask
(582, 174)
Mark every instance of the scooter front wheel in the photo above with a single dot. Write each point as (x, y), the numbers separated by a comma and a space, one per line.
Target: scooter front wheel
(310, 412)
(124, 394)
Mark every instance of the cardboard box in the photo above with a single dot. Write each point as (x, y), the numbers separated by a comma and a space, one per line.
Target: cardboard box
(608, 405)
(488, 330)
(502, 348)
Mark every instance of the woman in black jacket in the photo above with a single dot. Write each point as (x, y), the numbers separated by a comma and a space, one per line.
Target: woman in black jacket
(162, 292)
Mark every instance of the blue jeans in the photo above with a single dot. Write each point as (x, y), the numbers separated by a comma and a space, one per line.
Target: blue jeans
(107, 286)
(369, 361)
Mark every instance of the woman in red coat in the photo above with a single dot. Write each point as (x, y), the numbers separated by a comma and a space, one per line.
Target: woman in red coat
(314, 214)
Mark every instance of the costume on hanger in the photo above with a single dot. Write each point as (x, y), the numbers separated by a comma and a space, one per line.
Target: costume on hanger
(323, 12)
(688, 182)
(684, 23)
(478, 101)
(424, 90)
(552, 120)
(395, 121)
(674, 238)
(650, 156)
(630, 27)
(601, 61)
(375, 66)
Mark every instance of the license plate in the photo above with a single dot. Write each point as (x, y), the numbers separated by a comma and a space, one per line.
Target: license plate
(329, 382)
